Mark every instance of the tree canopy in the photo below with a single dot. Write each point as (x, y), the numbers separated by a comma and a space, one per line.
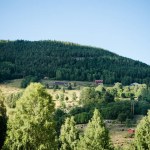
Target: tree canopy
(142, 135)
(32, 125)
(69, 135)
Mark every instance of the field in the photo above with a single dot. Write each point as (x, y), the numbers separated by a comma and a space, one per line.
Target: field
(118, 132)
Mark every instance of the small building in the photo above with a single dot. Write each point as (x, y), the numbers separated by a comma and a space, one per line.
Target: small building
(98, 82)
(131, 131)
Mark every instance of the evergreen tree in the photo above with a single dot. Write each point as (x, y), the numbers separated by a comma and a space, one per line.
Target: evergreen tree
(96, 135)
(142, 135)
(3, 120)
(69, 135)
(32, 126)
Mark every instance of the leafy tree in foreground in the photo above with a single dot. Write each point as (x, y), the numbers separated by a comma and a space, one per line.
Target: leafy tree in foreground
(32, 126)
(69, 135)
(3, 120)
(11, 100)
(142, 135)
(96, 135)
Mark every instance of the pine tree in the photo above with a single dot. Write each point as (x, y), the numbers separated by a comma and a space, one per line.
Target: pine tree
(69, 135)
(96, 135)
(32, 126)
(142, 135)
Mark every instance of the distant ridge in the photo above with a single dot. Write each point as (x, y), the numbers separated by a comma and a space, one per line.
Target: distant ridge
(68, 61)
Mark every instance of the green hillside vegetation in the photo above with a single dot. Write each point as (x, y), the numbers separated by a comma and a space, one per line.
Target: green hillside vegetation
(67, 61)
(3, 120)
(114, 103)
(117, 102)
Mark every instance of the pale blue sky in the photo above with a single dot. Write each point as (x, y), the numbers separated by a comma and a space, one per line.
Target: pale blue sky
(121, 26)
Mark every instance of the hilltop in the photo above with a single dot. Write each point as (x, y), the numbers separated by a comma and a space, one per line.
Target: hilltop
(67, 61)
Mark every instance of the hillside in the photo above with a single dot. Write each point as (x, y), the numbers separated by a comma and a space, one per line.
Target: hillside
(67, 61)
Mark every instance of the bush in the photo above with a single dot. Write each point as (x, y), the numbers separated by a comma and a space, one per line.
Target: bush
(27, 80)
(82, 118)
(122, 117)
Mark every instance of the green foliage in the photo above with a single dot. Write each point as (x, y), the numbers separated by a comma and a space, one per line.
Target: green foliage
(142, 134)
(3, 120)
(6, 69)
(69, 135)
(27, 80)
(122, 117)
(62, 61)
(95, 135)
(69, 86)
(12, 99)
(87, 95)
(59, 117)
(111, 110)
(141, 107)
(61, 97)
(118, 86)
(62, 104)
(99, 95)
(82, 118)
(32, 125)
(66, 98)
(107, 97)
(100, 88)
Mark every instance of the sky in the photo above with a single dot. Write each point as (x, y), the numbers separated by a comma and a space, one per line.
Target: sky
(120, 26)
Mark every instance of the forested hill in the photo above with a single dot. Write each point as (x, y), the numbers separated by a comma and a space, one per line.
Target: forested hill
(67, 61)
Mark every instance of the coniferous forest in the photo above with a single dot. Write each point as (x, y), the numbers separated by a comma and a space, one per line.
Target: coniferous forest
(67, 61)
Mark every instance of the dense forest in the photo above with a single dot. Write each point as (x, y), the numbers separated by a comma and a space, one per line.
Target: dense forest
(67, 61)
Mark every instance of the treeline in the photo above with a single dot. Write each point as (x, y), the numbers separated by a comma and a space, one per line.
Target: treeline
(67, 61)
